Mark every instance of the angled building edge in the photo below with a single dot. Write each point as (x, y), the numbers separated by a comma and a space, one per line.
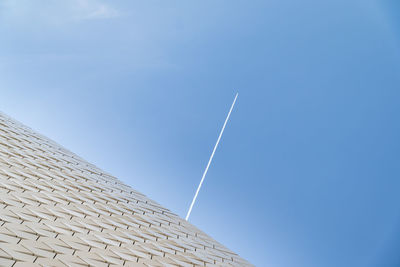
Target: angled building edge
(56, 209)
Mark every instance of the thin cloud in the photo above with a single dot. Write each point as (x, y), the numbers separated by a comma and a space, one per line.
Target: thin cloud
(52, 11)
(93, 9)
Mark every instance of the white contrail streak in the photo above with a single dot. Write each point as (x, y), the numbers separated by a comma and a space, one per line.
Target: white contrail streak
(209, 161)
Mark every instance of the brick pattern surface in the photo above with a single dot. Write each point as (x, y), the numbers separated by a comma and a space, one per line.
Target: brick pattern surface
(56, 209)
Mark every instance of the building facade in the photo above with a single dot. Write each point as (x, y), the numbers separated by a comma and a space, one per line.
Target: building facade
(56, 209)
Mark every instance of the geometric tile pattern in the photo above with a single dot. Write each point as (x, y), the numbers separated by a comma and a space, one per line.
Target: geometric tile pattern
(56, 209)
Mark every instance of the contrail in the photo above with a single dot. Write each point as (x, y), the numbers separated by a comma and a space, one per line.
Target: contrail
(209, 161)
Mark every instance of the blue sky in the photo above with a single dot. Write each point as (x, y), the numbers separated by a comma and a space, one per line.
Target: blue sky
(307, 172)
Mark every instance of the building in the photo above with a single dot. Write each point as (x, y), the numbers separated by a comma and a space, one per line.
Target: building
(56, 209)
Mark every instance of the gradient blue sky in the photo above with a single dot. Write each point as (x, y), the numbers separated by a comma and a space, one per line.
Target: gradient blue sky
(307, 173)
